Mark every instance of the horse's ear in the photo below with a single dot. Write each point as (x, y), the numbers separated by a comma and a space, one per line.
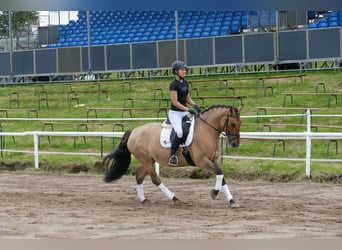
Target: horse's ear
(240, 108)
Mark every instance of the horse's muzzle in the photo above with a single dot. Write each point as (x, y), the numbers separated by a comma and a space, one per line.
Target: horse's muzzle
(234, 144)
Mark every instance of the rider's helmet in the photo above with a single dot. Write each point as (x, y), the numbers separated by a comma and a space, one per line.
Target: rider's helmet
(176, 65)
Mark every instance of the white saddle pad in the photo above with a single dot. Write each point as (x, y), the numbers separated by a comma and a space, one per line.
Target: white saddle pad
(166, 132)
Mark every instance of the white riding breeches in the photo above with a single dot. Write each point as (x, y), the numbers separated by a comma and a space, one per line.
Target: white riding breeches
(175, 118)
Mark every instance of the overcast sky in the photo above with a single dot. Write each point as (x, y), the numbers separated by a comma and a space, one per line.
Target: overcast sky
(56, 17)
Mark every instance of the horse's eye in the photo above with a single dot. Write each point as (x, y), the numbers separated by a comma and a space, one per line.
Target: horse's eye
(233, 125)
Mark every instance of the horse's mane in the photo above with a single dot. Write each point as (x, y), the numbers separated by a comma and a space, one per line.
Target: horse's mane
(220, 106)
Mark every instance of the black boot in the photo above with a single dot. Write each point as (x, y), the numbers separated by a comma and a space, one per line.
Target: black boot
(173, 160)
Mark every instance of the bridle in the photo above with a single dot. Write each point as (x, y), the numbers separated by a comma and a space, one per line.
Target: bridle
(225, 132)
(231, 136)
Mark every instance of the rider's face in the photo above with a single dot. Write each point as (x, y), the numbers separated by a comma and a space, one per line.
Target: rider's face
(182, 72)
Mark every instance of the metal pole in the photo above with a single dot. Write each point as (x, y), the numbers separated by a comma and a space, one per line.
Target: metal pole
(89, 48)
(177, 41)
(277, 36)
(36, 150)
(308, 143)
(11, 41)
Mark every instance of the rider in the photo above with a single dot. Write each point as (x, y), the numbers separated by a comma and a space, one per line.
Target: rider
(180, 96)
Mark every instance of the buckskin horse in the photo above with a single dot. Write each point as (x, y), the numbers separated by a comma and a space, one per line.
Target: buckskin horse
(144, 143)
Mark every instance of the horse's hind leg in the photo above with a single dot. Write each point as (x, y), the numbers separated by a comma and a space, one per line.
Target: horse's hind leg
(156, 181)
(140, 177)
(163, 188)
(148, 168)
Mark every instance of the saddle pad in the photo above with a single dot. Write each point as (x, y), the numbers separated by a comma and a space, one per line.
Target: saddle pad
(166, 132)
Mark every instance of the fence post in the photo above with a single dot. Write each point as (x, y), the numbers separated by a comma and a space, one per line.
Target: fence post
(36, 145)
(308, 143)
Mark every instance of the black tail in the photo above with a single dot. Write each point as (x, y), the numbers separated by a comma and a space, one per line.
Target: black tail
(117, 162)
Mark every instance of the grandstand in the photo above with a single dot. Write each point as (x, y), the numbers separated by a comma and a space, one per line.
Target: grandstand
(325, 19)
(114, 27)
(145, 42)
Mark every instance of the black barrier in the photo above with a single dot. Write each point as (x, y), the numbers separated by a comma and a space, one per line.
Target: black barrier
(144, 55)
(228, 49)
(292, 45)
(23, 63)
(167, 52)
(5, 69)
(324, 43)
(118, 57)
(69, 60)
(257, 48)
(199, 52)
(46, 61)
(97, 56)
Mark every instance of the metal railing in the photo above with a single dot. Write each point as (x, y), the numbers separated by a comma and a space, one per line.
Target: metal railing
(307, 135)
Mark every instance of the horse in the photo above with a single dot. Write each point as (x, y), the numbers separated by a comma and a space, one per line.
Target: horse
(144, 143)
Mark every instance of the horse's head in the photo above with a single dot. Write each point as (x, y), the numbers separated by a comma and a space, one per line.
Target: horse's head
(223, 122)
(232, 126)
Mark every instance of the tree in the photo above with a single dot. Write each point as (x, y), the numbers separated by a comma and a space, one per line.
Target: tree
(22, 22)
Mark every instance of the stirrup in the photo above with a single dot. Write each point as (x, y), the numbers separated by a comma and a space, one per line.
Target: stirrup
(173, 160)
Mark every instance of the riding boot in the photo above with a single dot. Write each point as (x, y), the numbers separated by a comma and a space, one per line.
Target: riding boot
(173, 160)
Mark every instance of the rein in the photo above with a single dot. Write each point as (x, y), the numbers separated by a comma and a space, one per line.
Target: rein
(226, 126)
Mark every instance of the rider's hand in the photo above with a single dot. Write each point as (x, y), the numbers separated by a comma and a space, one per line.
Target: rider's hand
(197, 108)
(191, 111)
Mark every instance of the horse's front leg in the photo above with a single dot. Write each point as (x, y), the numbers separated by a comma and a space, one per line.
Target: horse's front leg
(220, 183)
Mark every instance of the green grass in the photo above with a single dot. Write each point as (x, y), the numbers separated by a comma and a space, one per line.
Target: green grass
(58, 107)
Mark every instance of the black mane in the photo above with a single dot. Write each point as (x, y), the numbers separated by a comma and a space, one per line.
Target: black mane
(221, 106)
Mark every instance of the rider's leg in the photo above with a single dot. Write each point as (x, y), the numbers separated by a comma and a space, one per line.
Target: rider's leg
(176, 121)
(173, 160)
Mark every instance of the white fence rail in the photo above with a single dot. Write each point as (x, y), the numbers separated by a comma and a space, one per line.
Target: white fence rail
(307, 135)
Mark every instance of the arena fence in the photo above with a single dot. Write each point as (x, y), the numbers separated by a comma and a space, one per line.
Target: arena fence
(307, 135)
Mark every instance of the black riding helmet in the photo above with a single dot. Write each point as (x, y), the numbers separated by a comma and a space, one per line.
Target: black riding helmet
(176, 65)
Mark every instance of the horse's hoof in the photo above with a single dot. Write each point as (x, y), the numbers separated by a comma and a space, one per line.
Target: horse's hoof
(175, 200)
(213, 194)
(145, 202)
(233, 204)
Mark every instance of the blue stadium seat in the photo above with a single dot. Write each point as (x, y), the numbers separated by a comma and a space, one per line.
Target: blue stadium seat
(312, 26)
(196, 34)
(333, 24)
(234, 29)
(323, 25)
(161, 37)
(170, 36)
(112, 27)
(205, 34)
(214, 33)
(187, 35)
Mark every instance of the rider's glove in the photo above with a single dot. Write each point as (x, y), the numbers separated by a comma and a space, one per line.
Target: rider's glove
(197, 108)
(191, 111)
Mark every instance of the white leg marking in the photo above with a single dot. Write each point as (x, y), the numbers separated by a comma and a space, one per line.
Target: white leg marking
(218, 184)
(166, 191)
(226, 192)
(140, 192)
(156, 167)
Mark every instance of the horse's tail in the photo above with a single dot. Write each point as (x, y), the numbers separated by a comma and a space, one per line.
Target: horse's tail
(117, 162)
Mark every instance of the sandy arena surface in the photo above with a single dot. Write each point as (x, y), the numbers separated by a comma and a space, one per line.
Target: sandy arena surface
(82, 206)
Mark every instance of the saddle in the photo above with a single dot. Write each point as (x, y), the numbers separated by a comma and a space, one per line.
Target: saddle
(167, 133)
